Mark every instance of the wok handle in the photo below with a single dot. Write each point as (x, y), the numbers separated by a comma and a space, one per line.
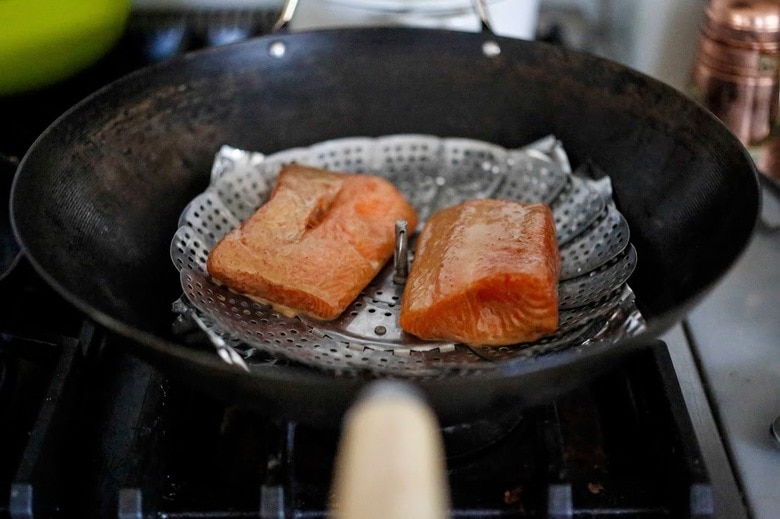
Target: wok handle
(480, 7)
(390, 462)
(286, 16)
(289, 7)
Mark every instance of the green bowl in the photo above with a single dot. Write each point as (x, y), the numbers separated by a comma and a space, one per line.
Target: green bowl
(45, 41)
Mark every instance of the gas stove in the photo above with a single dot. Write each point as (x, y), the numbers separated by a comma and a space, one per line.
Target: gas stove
(96, 432)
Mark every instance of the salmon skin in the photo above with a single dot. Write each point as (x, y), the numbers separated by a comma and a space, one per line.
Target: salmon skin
(485, 273)
(315, 244)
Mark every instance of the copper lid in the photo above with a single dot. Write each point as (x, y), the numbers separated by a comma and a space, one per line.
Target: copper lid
(748, 23)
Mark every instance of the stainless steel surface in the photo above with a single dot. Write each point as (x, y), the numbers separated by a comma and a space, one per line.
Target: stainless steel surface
(735, 335)
(226, 352)
(432, 173)
(224, 344)
(511, 18)
(775, 428)
(726, 491)
(590, 250)
(290, 6)
(597, 284)
(401, 253)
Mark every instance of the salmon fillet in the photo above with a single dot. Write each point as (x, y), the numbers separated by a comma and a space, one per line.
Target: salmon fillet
(317, 242)
(485, 273)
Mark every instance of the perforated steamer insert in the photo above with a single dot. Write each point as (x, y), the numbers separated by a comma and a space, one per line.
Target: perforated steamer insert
(595, 303)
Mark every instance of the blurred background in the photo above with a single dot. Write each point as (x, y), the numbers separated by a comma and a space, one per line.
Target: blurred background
(54, 53)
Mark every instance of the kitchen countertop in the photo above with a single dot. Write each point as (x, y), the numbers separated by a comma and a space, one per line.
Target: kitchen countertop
(735, 338)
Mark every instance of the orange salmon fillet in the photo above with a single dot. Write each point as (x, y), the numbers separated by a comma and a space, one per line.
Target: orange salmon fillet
(316, 243)
(485, 273)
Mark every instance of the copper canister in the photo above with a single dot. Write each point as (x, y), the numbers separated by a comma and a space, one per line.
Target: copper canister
(737, 71)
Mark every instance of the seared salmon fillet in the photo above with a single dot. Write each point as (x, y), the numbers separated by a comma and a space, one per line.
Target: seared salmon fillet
(485, 273)
(315, 244)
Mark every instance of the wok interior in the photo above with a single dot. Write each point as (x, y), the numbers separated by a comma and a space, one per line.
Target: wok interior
(100, 193)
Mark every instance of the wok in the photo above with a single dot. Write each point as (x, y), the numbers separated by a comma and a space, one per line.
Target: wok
(9, 249)
(97, 197)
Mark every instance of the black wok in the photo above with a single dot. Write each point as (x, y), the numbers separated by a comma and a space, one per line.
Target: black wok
(96, 199)
(9, 249)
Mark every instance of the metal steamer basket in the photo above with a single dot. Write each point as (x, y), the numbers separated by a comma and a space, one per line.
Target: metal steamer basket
(597, 259)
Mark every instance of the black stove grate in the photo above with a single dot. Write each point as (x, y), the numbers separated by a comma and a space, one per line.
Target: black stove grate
(621, 446)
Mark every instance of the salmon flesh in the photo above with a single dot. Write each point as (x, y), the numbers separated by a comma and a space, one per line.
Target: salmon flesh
(318, 241)
(485, 273)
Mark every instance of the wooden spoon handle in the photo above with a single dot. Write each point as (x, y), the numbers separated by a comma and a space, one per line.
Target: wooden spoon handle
(390, 463)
